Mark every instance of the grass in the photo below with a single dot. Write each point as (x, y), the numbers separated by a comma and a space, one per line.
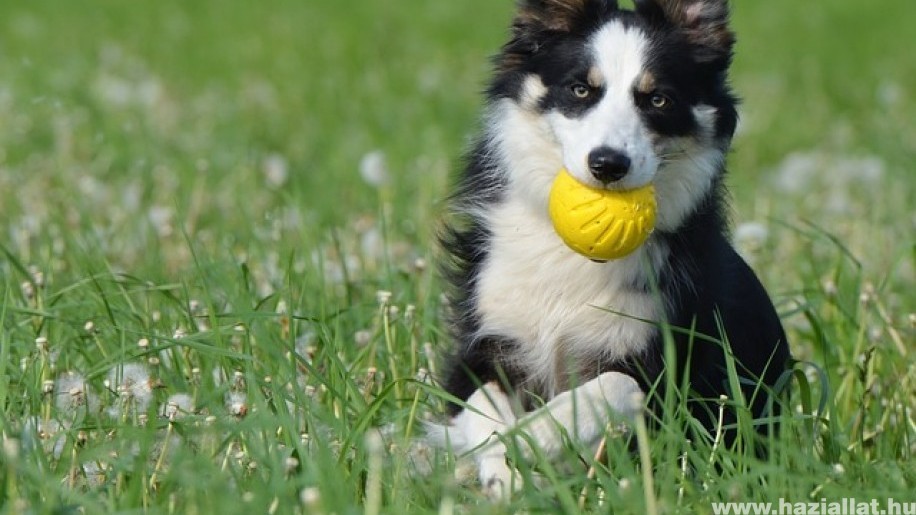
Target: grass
(191, 262)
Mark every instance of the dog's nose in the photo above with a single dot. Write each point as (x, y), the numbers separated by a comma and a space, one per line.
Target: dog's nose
(608, 164)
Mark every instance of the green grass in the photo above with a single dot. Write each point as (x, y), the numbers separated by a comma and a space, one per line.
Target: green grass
(180, 188)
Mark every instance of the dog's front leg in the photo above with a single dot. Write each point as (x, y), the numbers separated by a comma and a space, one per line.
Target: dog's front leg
(477, 429)
(583, 413)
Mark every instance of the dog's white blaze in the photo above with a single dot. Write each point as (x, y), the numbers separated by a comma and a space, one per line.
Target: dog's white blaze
(620, 57)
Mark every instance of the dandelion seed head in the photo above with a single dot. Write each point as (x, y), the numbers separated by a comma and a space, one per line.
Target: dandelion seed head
(72, 393)
(237, 403)
(751, 236)
(276, 170)
(363, 337)
(383, 297)
(372, 244)
(177, 405)
(830, 287)
(373, 169)
(310, 496)
(38, 277)
(160, 217)
(28, 291)
(132, 381)
(10, 449)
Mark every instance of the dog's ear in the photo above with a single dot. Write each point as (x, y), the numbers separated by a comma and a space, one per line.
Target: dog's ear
(538, 21)
(703, 22)
(558, 15)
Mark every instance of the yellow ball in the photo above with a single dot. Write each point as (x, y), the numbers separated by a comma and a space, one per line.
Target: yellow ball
(601, 224)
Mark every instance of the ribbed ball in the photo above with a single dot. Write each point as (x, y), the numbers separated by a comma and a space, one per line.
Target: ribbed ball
(598, 223)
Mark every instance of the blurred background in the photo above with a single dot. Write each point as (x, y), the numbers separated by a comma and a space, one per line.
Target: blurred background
(216, 114)
(230, 189)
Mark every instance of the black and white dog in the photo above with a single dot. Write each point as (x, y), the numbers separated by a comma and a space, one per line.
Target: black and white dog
(620, 98)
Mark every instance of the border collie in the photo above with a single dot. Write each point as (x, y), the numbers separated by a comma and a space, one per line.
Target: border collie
(548, 342)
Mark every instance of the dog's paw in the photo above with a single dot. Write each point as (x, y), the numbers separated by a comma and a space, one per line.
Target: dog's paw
(497, 479)
(621, 393)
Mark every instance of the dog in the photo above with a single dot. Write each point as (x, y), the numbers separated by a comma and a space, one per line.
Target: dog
(547, 342)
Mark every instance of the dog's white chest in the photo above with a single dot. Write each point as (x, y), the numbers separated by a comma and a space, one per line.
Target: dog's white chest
(557, 304)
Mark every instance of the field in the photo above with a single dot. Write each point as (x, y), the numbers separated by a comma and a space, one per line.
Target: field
(217, 262)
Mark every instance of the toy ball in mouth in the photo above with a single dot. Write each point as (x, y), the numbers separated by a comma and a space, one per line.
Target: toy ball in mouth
(601, 224)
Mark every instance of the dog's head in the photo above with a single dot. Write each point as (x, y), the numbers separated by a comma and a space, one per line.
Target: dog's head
(620, 98)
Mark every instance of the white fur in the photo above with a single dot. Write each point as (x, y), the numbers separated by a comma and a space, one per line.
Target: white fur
(535, 290)
(476, 430)
(583, 413)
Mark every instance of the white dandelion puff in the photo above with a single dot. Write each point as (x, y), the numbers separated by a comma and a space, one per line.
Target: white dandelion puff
(275, 170)
(237, 403)
(72, 393)
(38, 277)
(161, 219)
(177, 406)
(797, 171)
(10, 449)
(363, 337)
(751, 236)
(27, 289)
(310, 497)
(133, 383)
(383, 297)
(372, 243)
(373, 169)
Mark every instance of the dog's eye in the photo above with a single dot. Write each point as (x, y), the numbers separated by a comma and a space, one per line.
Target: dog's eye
(659, 101)
(580, 90)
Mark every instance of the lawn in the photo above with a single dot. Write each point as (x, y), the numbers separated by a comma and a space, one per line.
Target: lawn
(217, 262)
